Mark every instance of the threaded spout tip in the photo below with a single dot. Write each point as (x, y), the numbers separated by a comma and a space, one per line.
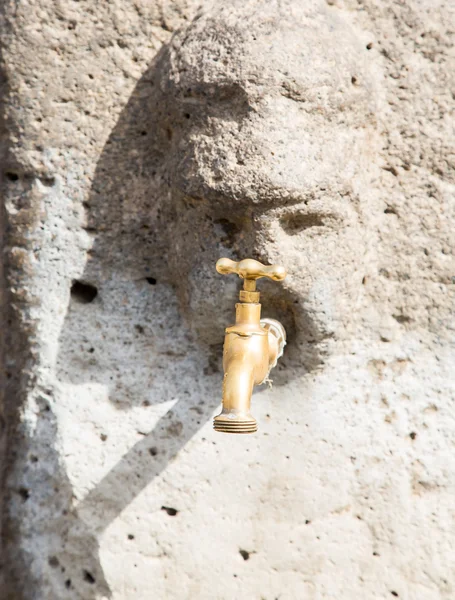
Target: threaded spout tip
(236, 425)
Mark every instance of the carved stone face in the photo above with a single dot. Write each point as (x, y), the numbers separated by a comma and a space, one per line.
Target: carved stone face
(271, 145)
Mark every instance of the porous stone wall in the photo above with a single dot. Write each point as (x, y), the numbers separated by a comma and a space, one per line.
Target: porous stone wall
(140, 142)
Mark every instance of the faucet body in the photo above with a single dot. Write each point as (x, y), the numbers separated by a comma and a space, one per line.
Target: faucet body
(245, 364)
(251, 349)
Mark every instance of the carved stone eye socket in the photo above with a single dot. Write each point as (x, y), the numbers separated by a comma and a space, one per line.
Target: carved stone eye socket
(293, 224)
(316, 222)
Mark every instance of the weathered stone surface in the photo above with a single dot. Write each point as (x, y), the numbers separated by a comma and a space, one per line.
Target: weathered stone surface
(316, 135)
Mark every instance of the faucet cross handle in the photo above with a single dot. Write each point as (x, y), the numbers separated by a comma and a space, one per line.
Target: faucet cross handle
(250, 269)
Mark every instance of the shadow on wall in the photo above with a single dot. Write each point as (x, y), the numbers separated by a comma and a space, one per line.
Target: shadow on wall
(125, 329)
(146, 318)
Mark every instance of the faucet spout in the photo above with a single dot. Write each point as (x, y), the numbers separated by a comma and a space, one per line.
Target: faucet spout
(238, 385)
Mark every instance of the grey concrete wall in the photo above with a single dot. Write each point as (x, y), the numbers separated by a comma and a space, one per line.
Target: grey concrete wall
(142, 141)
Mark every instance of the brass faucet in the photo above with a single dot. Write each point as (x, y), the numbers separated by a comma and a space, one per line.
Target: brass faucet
(252, 346)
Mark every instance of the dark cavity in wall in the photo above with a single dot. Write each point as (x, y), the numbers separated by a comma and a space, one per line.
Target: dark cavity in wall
(170, 511)
(83, 293)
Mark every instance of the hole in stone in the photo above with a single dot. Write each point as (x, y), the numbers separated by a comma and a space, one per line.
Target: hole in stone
(244, 554)
(392, 170)
(84, 293)
(103, 437)
(88, 577)
(11, 176)
(24, 493)
(187, 116)
(394, 593)
(151, 280)
(143, 133)
(53, 561)
(47, 181)
(153, 451)
(130, 536)
(139, 328)
(369, 45)
(91, 350)
(170, 511)
(68, 584)
(413, 435)
(401, 318)
(390, 211)
(353, 80)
